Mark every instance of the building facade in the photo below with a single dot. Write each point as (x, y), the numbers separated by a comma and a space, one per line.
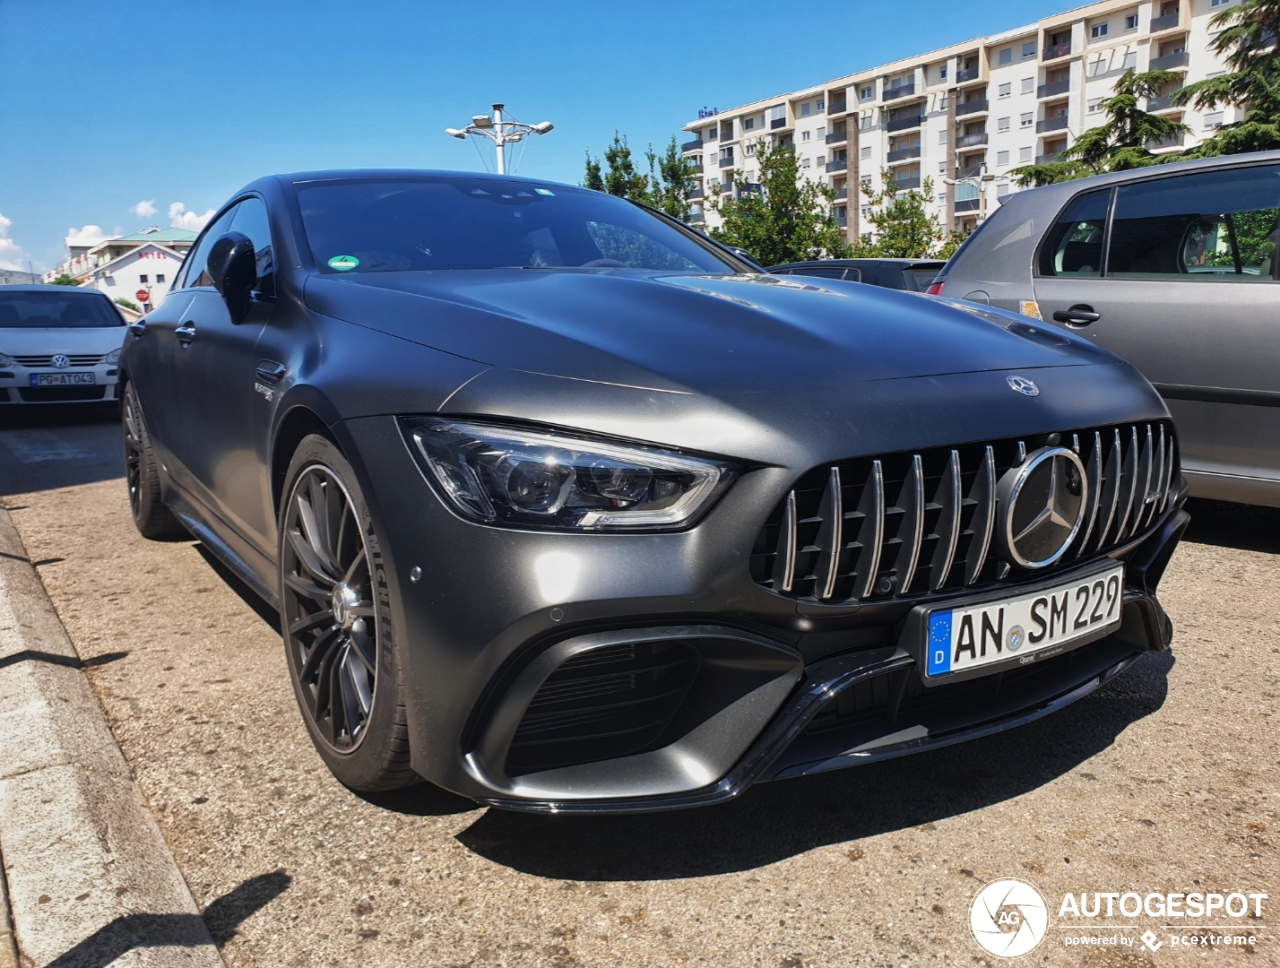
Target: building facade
(124, 267)
(966, 115)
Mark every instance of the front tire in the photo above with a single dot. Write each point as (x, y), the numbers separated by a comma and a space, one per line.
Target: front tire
(152, 519)
(336, 623)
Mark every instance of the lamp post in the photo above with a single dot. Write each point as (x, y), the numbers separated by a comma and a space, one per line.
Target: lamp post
(501, 130)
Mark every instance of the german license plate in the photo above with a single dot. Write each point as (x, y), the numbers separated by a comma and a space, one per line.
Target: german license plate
(63, 379)
(1029, 627)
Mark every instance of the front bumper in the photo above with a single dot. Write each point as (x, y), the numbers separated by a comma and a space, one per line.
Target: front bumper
(16, 388)
(496, 615)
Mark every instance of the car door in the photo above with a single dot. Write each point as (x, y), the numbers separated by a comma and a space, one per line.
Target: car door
(1188, 293)
(214, 398)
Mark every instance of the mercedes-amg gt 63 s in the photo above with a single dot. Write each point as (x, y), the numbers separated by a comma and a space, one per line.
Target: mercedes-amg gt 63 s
(565, 507)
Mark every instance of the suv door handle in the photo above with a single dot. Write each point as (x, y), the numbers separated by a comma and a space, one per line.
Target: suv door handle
(1077, 316)
(137, 329)
(185, 334)
(269, 371)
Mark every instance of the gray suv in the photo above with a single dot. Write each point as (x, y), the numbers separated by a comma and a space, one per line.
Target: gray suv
(1173, 268)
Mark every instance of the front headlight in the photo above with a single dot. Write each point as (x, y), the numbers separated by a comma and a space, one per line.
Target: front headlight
(7, 360)
(112, 357)
(550, 481)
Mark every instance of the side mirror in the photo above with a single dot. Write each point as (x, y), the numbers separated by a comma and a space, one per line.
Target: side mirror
(233, 267)
(746, 257)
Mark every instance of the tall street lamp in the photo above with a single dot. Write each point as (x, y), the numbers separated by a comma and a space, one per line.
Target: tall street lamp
(502, 131)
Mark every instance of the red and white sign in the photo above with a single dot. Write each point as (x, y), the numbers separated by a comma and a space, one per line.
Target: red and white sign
(143, 296)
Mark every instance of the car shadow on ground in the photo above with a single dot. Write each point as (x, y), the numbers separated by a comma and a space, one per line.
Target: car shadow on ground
(774, 821)
(51, 446)
(1242, 526)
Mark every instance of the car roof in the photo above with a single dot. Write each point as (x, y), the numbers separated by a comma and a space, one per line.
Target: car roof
(300, 177)
(39, 287)
(859, 263)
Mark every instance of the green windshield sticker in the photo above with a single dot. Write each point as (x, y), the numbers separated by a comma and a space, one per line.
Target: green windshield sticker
(343, 263)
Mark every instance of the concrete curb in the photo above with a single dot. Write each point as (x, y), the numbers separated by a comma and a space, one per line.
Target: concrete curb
(91, 881)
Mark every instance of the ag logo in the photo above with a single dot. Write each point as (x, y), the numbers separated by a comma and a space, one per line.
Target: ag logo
(1009, 918)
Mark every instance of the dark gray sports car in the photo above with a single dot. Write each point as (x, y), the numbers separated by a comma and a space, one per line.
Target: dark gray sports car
(566, 508)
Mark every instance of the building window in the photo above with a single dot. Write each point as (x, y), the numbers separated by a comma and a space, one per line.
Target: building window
(748, 124)
(1002, 124)
(865, 179)
(1025, 120)
(942, 72)
(711, 134)
(143, 277)
(1213, 120)
(866, 151)
(1029, 49)
(160, 278)
(942, 136)
(866, 92)
(1024, 154)
(1006, 89)
(1098, 67)
(804, 163)
(1002, 157)
(1028, 85)
(805, 109)
(1099, 30)
(819, 106)
(942, 168)
(942, 198)
(1218, 3)
(804, 135)
(1130, 60)
(822, 132)
(822, 161)
(1005, 56)
(1002, 191)
(1131, 22)
(942, 103)
(866, 211)
(750, 148)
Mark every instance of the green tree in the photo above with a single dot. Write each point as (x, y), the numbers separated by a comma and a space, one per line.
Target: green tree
(1248, 45)
(675, 181)
(1119, 143)
(782, 219)
(904, 229)
(666, 186)
(64, 280)
(620, 177)
(128, 304)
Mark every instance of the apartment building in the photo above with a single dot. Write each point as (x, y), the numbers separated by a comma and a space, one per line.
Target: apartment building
(967, 114)
(124, 266)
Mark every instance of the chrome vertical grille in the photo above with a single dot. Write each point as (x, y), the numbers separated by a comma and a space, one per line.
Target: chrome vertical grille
(923, 522)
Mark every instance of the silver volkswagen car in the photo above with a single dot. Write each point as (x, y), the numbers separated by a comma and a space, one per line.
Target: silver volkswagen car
(1173, 268)
(58, 344)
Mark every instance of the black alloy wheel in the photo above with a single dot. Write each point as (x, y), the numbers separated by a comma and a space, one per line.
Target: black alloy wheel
(152, 519)
(335, 621)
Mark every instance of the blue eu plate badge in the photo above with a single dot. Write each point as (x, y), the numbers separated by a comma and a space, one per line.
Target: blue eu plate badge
(939, 643)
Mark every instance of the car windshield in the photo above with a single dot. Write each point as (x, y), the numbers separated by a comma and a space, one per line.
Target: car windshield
(919, 279)
(463, 222)
(56, 310)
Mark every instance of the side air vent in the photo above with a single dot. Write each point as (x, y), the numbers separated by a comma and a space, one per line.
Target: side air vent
(918, 523)
(604, 703)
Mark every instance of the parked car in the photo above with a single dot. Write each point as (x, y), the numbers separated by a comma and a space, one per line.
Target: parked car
(564, 508)
(914, 275)
(58, 344)
(1173, 268)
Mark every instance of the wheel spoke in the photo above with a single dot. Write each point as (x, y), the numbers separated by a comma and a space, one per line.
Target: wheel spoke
(337, 703)
(311, 621)
(355, 693)
(323, 646)
(306, 554)
(354, 569)
(306, 588)
(312, 529)
(363, 646)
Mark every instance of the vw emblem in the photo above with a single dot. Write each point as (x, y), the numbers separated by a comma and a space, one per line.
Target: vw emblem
(60, 361)
(1023, 386)
(1042, 505)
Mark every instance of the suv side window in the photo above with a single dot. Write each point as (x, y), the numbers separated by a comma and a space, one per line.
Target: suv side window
(1073, 246)
(194, 267)
(1218, 226)
(251, 220)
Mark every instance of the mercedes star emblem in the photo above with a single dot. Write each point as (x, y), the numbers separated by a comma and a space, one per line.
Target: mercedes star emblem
(1042, 505)
(60, 361)
(1023, 386)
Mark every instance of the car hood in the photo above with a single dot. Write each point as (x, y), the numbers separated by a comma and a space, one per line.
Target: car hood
(719, 335)
(18, 341)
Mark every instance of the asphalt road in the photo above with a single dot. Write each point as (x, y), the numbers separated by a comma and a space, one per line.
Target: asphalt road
(1165, 780)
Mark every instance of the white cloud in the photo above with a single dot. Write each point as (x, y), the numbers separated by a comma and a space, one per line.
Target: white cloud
(11, 255)
(145, 209)
(89, 235)
(180, 218)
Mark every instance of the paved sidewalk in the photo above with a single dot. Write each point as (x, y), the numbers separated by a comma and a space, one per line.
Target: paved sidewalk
(91, 881)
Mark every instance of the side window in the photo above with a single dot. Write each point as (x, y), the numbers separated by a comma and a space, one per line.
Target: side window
(194, 271)
(1217, 226)
(251, 221)
(617, 243)
(1073, 246)
(824, 272)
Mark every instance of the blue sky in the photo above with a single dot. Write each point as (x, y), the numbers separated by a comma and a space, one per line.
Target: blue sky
(107, 105)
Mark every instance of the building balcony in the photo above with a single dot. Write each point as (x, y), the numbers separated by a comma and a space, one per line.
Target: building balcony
(1048, 159)
(905, 122)
(837, 107)
(1173, 141)
(691, 146)
(697, 218)
(973, 172)
(1162, 103)
(696, 169)
(1170, 61)
(726, 162)
(968, 74)
(838, 137)
(894, 93)
(840, 164)
(1056, 51)
(777, 123)
(1052, 124)
(843, 193)
(968, 205)
(695, 194)
(978, 106)
(971, 140)
(842, 218)
(906, 184)
(1167, 22)
(904, 154)
(1053, 89)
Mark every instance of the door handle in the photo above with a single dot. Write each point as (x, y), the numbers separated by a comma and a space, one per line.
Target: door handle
(269, 371)
(137, 329)
(185, 334)
(1081, 315)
